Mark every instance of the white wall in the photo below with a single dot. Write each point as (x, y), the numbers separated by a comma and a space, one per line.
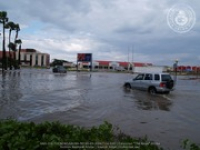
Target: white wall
(149, 69)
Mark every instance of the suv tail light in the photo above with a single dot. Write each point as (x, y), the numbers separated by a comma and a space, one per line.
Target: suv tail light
(162, 84)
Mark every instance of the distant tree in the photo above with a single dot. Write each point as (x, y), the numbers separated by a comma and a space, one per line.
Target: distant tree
(58, 62)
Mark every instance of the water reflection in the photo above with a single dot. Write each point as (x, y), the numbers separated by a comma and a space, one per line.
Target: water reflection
(3, 86)
(10, 93)
(146, 101)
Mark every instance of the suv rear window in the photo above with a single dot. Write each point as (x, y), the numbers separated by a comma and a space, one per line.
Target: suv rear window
(166, 77)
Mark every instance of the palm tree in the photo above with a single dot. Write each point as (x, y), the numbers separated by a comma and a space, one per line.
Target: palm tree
(17, 29)
(19, 41)
(11, 26)
(4, 20)
(12, 46)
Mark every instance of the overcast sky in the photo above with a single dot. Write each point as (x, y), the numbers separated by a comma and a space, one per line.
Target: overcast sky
(109, 29)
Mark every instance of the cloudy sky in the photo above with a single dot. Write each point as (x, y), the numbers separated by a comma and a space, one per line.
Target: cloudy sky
(117, 30)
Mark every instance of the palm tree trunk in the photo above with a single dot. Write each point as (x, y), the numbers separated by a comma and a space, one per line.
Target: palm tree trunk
(16, 36)
(19, 56)
(4, 48)
(10, 59)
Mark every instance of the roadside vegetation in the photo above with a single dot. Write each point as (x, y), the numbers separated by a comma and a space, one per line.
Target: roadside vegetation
(58, 62)
(17, 135)
(54, 135)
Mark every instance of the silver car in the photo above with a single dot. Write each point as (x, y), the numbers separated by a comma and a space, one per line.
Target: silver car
(151, 82)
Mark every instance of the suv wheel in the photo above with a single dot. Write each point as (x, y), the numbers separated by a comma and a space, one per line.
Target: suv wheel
(152, 90)
(127, 86)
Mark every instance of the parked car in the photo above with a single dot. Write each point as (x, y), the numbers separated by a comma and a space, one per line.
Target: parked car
(59, 69)
(151, 82)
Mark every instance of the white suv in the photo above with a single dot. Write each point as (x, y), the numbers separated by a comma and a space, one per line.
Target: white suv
(152, 82)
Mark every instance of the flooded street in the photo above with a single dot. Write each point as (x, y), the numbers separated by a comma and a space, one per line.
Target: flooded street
(89, 99)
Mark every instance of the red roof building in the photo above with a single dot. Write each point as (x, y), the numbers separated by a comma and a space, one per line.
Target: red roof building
(101, 64)
(188, 68)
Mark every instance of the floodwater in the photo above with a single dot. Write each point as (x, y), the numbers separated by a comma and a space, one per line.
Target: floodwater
(88, 99)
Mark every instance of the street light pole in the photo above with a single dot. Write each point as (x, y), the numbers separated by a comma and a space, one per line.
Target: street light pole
(176, 69)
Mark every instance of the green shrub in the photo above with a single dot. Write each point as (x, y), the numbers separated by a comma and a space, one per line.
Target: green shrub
(188, 145)
(17, 135)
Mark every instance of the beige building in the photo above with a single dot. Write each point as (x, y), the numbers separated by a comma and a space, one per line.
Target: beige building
(33, 58)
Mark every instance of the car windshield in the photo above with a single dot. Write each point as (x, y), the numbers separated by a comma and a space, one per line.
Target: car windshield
(166, 77)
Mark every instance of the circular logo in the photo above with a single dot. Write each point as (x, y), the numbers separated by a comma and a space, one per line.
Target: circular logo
(181, 18)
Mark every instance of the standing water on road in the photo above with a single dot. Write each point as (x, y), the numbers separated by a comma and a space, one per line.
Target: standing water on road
(88, 99)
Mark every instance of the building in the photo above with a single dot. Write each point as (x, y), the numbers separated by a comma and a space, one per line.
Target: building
(134, 66)
(30, 57)
(69, 64)
(112, 65)
(188, 68)
(34, 58)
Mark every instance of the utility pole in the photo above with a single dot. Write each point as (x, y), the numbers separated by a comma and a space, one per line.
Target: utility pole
(132, 62)
(175, 66)
(128, 61)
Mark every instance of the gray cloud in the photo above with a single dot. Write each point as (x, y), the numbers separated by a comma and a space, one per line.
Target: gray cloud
(107, 28)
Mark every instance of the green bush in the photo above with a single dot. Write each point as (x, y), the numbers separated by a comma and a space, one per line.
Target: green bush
(54, 135)
(188, 145)
(15, 135)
